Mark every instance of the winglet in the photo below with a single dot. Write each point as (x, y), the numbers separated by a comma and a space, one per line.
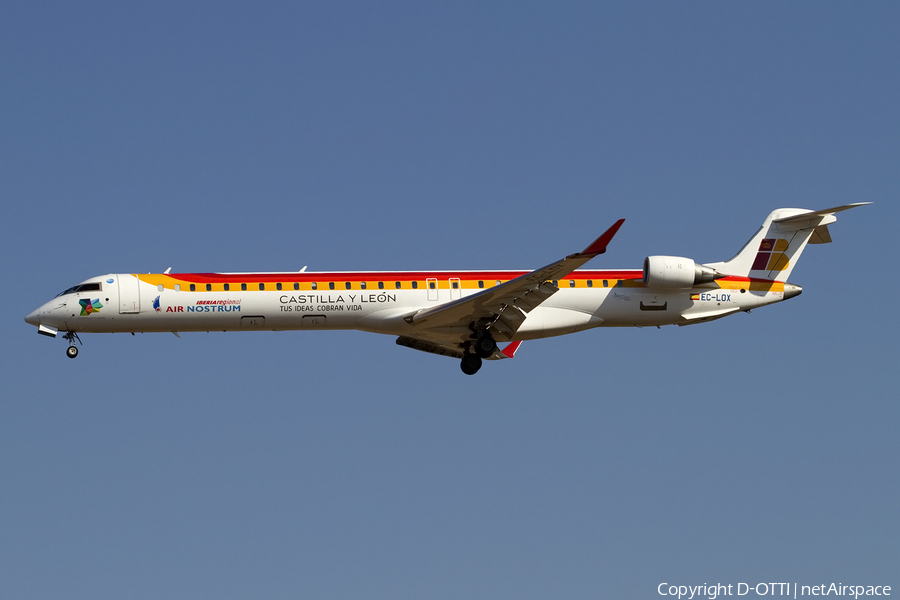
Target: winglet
(599, 245)
(510, 350)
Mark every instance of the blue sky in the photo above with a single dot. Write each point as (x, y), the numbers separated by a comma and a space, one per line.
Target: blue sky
(229, 137)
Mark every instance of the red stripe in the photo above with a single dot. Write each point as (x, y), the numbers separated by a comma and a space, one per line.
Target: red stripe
(390, 276)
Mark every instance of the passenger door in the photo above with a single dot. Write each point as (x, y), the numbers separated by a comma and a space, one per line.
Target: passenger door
(129, 294)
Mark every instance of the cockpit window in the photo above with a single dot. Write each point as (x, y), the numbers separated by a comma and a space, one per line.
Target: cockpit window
(84, 287)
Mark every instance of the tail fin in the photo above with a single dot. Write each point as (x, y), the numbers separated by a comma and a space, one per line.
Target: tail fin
(776, 247)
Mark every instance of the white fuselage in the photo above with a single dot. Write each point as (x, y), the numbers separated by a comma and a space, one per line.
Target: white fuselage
(462, 314)
(378, 302)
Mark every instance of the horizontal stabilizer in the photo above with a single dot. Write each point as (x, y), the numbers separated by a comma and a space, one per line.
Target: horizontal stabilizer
(802, 218)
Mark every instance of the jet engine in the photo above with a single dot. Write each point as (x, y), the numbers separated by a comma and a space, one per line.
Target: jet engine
(676, 273)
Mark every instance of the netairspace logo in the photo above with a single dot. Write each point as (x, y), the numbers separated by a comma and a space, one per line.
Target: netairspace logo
(793, 590)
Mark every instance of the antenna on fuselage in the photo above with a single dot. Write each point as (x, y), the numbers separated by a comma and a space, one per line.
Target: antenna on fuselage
(166, 272)
(303, 270)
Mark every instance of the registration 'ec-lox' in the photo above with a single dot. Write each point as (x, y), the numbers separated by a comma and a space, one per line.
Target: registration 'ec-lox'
(462, 314)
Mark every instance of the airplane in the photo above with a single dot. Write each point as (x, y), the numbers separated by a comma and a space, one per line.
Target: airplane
(461, 314)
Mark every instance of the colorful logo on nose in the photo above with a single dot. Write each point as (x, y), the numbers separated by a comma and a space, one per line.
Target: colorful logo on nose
(89, 306)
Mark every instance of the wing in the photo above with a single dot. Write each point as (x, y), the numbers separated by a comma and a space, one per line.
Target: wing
(449, 349)
(504, 307)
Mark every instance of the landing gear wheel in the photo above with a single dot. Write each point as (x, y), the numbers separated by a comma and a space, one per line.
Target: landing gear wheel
(71, 336)
(485, 346)
(470, 364)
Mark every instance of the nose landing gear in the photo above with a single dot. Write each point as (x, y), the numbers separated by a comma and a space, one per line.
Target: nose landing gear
(72, 350)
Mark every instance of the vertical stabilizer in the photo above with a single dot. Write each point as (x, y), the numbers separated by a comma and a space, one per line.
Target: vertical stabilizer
(773, 252)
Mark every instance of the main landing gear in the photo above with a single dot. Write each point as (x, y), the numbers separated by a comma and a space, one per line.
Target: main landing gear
(470, 363)
(484, 345)
(478, 349)
(72, 350)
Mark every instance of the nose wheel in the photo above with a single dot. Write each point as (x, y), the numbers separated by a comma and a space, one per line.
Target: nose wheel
(72, 350)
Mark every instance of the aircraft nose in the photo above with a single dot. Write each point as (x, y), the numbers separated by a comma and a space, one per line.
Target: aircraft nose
(32, 318)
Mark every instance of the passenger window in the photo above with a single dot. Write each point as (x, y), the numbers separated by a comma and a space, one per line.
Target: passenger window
(177, 287)
(362, 285)
(481, 284)
(455, 284)
(620, 283)
(296, 286)
(498, 282)
(278, 286)
(347, 285)
(244, 287)
(590, 283)
(431, 284)
(571, 283)
(193, 288)
(262, 286)
(315, 285)
(330, 285)
(605, 283)
(397, 284)
(159, 288)
(226, 287)
(380, 285)
(556, 282)
(208, 287)
(415, 285)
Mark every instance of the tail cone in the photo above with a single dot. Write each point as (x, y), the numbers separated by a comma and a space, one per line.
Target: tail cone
(791, 290)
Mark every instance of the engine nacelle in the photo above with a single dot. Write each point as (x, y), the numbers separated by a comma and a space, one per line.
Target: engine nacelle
(676, 273)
